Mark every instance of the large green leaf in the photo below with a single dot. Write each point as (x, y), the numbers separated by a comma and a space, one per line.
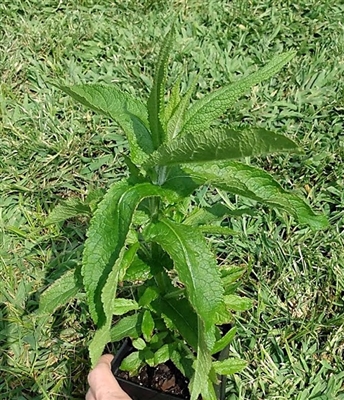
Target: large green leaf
(147, 325)
(256, 184)
(106, 238)
(212, 106)
(60, 292)
(237, 303)
(229, 366)
(173, 100)
(224, 341)
(108, 299)
(194, 263)
(69, 209)
(180, 182)
(128, 112)
(122, 306)
(221, 144)
(178, 315)
(129, 326)
(176, 122)
(155, 104)
(200, 383)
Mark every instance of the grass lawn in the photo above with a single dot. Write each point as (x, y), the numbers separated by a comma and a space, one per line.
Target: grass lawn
(53, 149)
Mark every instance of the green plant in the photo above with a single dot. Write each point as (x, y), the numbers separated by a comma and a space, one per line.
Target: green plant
(147, 230)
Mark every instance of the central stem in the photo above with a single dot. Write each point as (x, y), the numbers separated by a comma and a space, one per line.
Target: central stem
(155, 248)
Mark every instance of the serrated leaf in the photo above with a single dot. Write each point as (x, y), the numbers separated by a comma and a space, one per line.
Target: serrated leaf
(183, 361)
(229, 366)
(122, 306)
(254, 183)
(129, 257)
(194, 263)
(148, 356)
(132, 363)
(139, 344)
(173, 100)
(138, 271)
(60, 292)
(108, 299)
(200, 382)
(98, 342)
(206, 215)
(230, 274)
(223, 315)
(129, 326)
(129, 113)
(155, 104)
(237, 303)
(151, 293)
(69, 209)
(212, 106)
(224, 341)
(180, 182)
(219, 145)
(106, 238)
(147, 325)
(178, 315)
(176, 122)
(164, 353)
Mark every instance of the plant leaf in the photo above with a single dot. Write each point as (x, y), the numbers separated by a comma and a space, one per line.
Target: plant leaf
(256, 184)
(183, 361)
(122, 306)
(199, 384)
(69, 209)
(175, 123)
(108, 298)
(147, 325)
(203, 112)
(132, 363)
(224, 341)
(106, 238)
(139, 344)
(155, 104)
(138, 271)
(229, 366)
(129, 113)
(178, 314)
(180, 182)
(129, 326)
(221, 144)
(60, 292)
(150, 294)
(194, 263)
(174, 99)
(237, 303)
(164, 353)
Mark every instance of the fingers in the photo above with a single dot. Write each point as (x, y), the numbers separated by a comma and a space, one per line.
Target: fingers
(103, 385)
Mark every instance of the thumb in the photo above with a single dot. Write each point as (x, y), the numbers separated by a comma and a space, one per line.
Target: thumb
(102, 381)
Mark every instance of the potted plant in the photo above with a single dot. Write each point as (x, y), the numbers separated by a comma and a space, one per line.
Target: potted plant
(148, 231)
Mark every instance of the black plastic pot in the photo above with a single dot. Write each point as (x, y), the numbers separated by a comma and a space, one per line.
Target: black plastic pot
(138, 392)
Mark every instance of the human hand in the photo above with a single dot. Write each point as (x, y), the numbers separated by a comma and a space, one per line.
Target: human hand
(103, 385)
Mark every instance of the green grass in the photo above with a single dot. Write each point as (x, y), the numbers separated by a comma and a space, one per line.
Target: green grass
(52, 149)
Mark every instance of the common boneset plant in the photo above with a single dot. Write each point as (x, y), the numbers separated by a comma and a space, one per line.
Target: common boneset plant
(147, 231)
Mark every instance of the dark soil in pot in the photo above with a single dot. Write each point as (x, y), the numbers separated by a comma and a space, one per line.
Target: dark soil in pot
(164, 382)
(164, 378)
